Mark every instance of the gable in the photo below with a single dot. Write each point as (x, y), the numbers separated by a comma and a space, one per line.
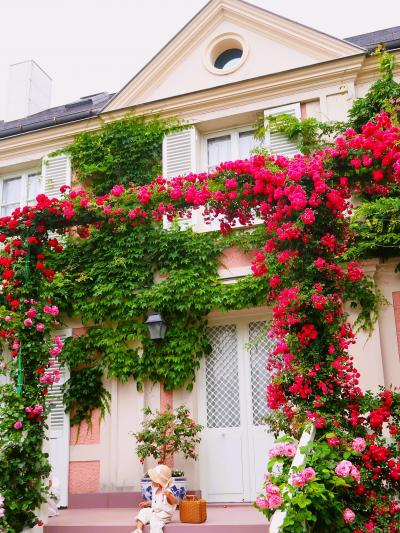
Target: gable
(269, 44)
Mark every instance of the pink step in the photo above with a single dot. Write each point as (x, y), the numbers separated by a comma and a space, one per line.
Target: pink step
(109, 499)
(221, 519)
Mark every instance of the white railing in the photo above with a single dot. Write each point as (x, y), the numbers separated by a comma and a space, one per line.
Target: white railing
(298, 460)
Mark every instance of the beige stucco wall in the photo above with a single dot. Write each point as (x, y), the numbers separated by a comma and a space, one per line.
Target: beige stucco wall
(265, 56)
(376, 356)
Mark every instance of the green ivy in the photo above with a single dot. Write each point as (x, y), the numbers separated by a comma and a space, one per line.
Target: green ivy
(123, 151)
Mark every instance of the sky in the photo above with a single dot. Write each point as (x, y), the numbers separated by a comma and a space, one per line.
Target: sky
(89, 46)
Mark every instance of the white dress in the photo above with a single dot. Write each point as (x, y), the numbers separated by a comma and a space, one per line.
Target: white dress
(159, 514)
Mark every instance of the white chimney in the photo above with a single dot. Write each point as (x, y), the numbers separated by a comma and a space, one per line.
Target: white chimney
(29, 90)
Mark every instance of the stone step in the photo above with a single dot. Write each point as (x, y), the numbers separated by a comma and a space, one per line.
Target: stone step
(107, 500)
(220, 519)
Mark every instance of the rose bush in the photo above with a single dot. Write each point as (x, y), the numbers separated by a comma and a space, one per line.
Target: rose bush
(304, 204)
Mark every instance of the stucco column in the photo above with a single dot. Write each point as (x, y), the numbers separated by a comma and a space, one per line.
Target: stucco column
(167, 404)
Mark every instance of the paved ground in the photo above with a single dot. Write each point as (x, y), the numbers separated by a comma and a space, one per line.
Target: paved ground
(221, 519)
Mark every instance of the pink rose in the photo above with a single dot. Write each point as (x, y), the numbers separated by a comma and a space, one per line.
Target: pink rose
(31, 313)
(359, 445)
(348, 516)
(18, 425)
(272, 489)
(275, 501)
(355, 474)
(40, 327)
(2, 512)
(308, 474)
(343, 469)
(28, 322)
(303, 477)
(117, 190)
(297, 480)
(262, 503)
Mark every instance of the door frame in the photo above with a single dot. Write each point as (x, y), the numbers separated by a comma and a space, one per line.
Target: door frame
(64, 443)
(239, 318)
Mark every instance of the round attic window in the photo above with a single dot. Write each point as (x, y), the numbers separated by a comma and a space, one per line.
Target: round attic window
(225, 54)
(228, 59)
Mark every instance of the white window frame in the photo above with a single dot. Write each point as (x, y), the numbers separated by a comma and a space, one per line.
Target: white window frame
(23, 200)
(234, 133)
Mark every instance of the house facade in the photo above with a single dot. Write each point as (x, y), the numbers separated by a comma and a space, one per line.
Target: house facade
(231, 64)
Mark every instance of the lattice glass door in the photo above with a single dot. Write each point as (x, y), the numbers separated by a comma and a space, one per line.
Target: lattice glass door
(58, 422)
(224, 438)
(259, 348)
(233, 382)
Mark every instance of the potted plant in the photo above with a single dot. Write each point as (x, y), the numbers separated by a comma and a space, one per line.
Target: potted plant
(162, 435)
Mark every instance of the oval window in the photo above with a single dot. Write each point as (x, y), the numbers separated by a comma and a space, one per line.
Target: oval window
(228, 59)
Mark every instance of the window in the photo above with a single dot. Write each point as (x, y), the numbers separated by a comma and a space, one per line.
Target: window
(229, 146)
(225, 54)
(228, 58)
(19, 190)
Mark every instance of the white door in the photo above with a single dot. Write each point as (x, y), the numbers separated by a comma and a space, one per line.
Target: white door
(233, 380)
(58, 423)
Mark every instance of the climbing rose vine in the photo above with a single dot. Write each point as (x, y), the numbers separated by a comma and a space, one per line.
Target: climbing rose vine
(353, 473)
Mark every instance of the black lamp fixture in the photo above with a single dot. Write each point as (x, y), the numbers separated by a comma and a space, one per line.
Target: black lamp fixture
(157, 326)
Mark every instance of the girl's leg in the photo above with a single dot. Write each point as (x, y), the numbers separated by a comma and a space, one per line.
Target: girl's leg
(143, 518)
(156, 524)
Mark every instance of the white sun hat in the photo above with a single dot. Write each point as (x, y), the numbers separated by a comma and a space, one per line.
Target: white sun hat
(160, 474)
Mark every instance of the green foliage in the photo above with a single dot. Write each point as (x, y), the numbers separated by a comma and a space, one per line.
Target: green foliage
(23, 464)
(166, 433)
(123, 151)
(381, 95)
(309, 134)
(108, 281)
(376, 228)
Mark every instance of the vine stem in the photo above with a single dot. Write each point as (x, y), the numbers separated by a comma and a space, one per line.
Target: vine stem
(20, 377)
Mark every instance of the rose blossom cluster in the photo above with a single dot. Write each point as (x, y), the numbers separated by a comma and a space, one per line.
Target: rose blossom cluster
(347, 469)
(301, 478)
(294, 197)
(283, 449)
(272, 498)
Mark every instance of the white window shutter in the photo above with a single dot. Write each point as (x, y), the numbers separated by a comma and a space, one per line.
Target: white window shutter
(179, 157)
(58, 422)
(278, 143)
(179, 153)
(56, 172)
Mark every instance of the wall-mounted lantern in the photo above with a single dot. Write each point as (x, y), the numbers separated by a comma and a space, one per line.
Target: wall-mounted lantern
(157, 326)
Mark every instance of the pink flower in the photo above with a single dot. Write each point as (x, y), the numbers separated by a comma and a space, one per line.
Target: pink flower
(308, 474)
(28, 322)
(272, 489)
(282, 449)
(359, 444)
(343, 469)
(7, 318)
(51, 310)
(348, 516)
(2, 512)
(308, 216)
(117, 190)
(262, 503)
(303, 477)
(31, 312)
(347, 469)
(40, 327)
(275, 501)
(18, 425)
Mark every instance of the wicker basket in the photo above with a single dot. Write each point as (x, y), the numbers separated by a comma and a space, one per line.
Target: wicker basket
(192, 510)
